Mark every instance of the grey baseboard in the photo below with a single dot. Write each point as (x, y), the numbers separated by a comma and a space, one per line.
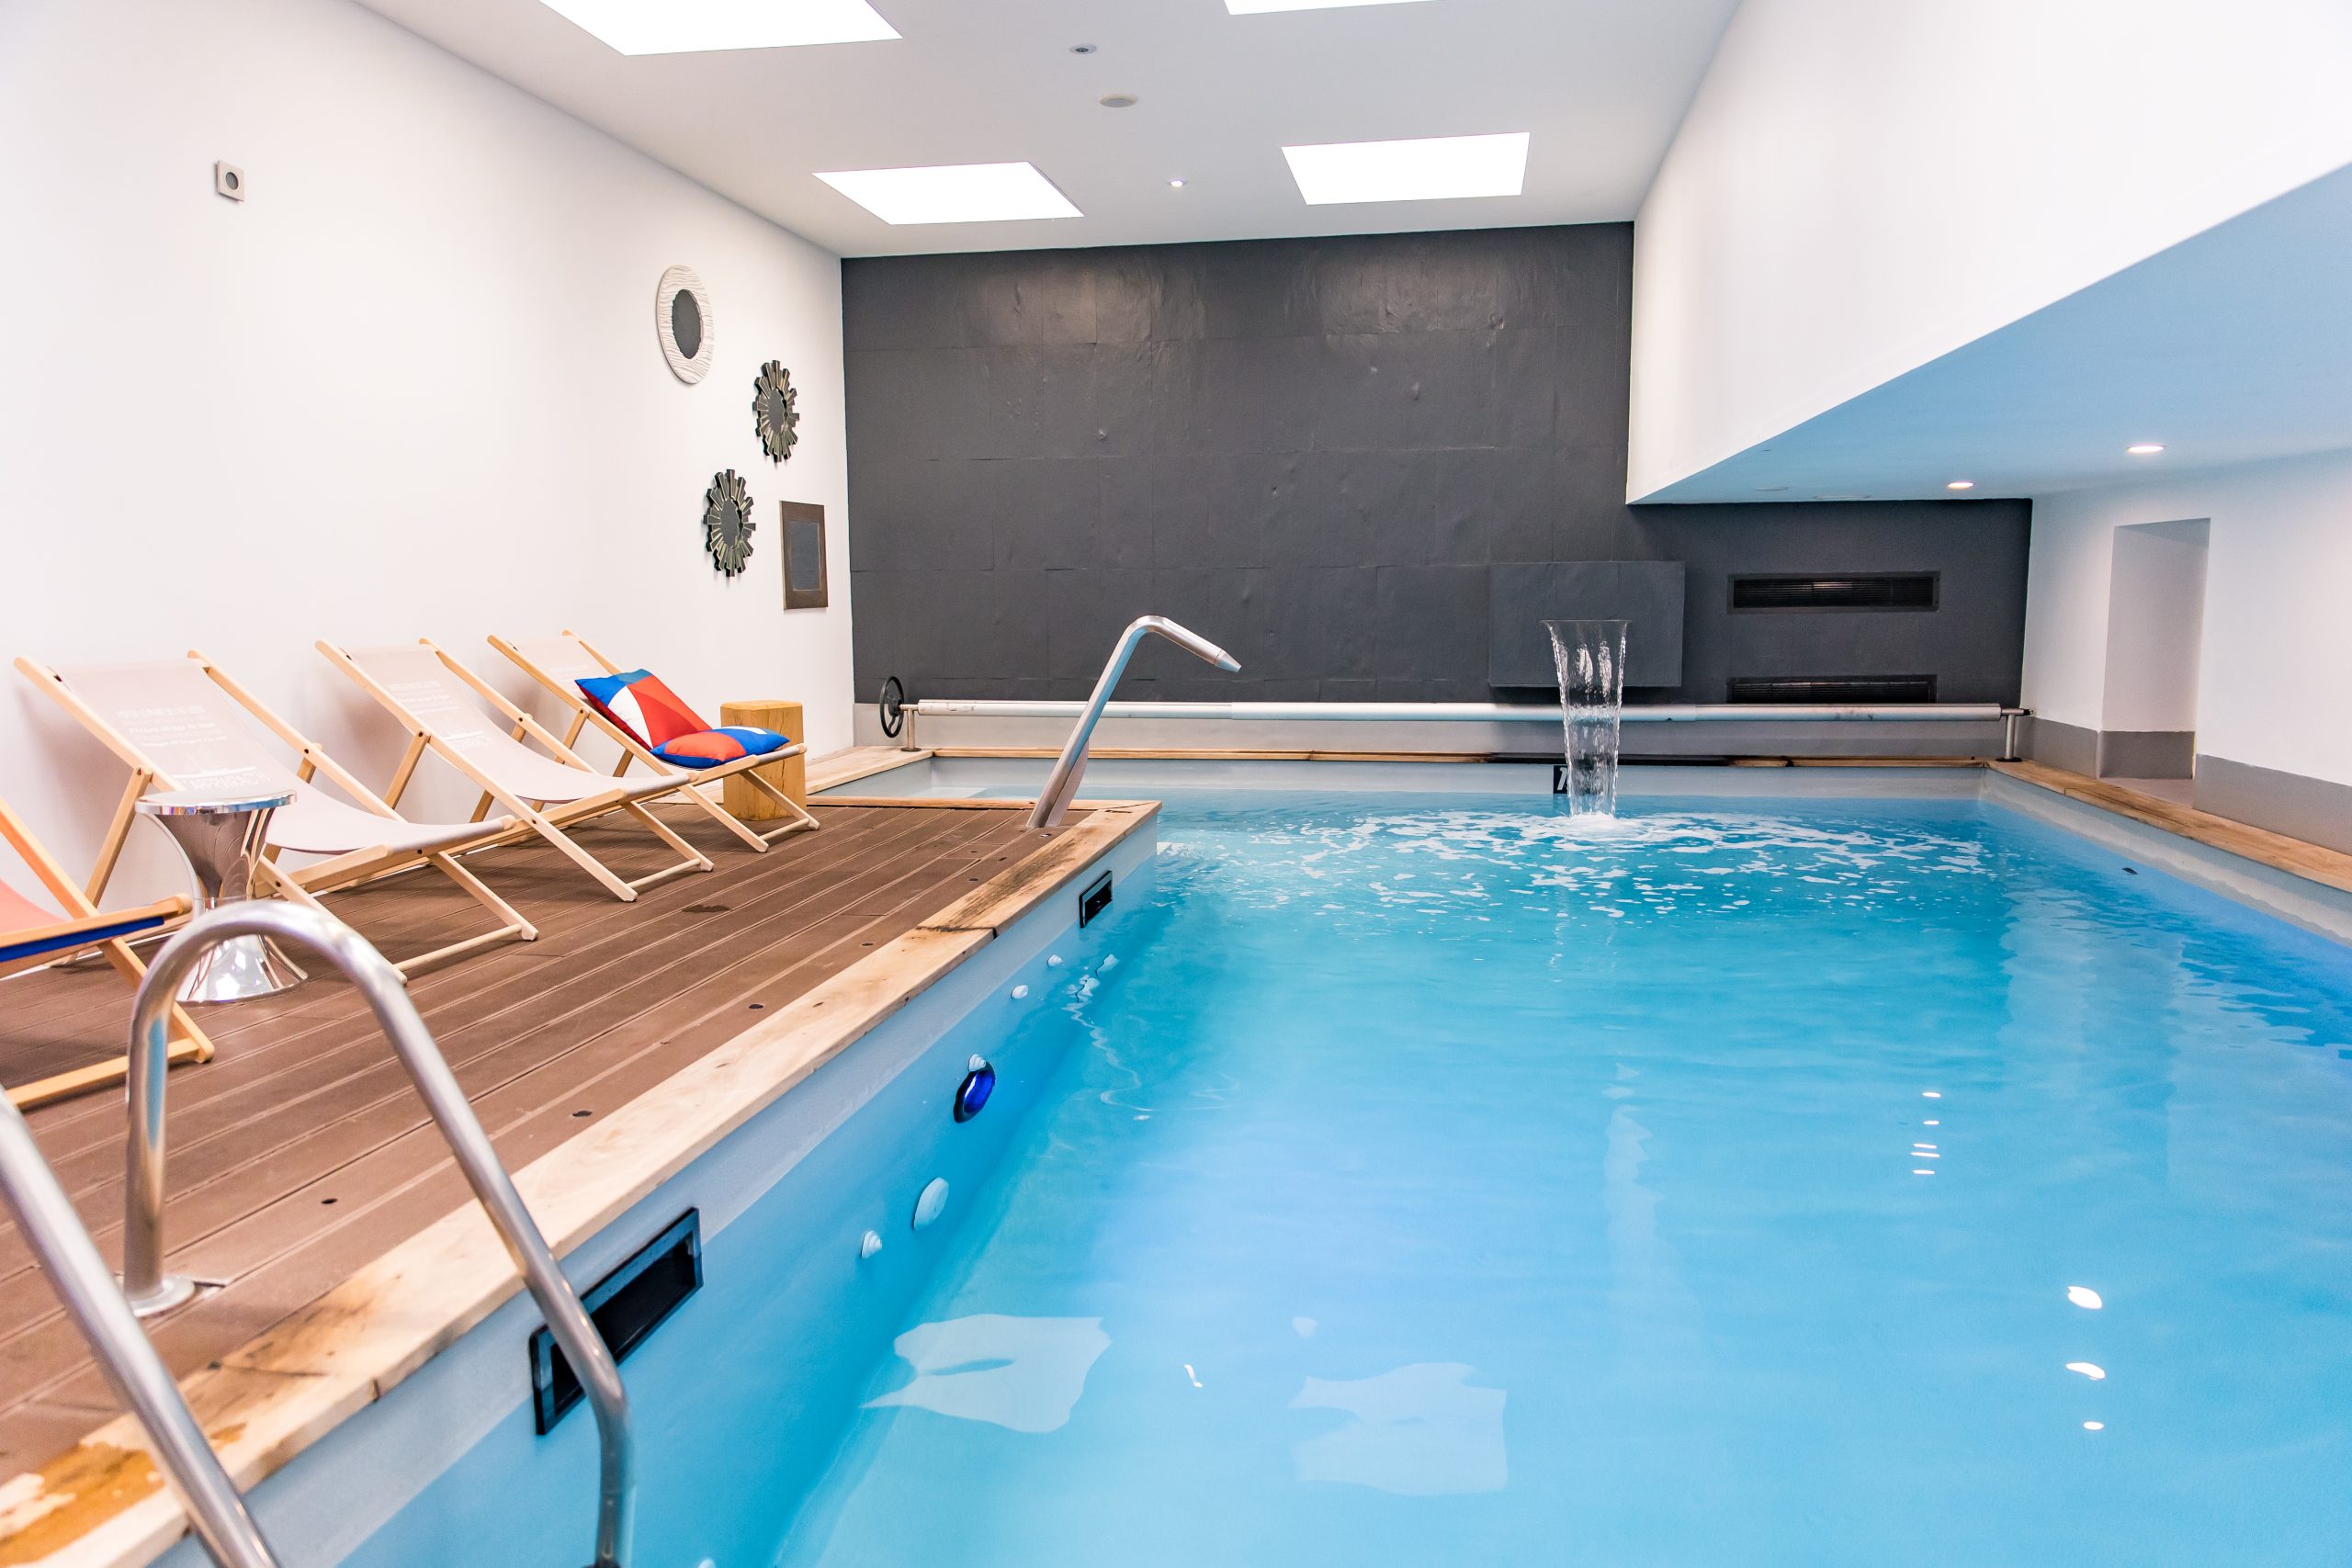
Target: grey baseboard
(2316, 811)
(2067, 745)
(2147, 754)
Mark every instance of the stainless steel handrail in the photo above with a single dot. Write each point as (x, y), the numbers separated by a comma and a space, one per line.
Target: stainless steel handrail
(80, 1277)
(380, 984)
(1062, 785)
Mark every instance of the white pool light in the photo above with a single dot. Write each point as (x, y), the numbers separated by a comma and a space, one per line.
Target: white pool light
(932, 1203)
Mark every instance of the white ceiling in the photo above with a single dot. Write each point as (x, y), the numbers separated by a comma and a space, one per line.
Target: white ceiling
(2230, 348)
(1601, 84)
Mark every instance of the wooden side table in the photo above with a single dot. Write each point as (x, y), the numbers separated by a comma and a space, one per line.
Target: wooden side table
(739, 795)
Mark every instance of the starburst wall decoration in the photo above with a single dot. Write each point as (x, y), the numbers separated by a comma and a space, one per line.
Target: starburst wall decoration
(726, 523)
(775, 410)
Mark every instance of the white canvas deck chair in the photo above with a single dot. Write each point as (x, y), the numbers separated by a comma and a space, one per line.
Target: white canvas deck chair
(439, 702)
(559, 663)
(31, 936)
(176, 724)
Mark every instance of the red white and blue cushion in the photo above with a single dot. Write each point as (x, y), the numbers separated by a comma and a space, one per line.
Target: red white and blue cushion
(656, 718)
(709, 748)
(651, 712)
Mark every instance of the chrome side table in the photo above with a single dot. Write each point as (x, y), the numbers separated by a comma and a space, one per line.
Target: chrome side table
(221, 833)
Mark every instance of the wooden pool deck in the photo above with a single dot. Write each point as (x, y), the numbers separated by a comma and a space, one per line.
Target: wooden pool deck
(301, 1155)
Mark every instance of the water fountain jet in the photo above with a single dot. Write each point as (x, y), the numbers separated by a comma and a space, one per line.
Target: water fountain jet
(1590, 657)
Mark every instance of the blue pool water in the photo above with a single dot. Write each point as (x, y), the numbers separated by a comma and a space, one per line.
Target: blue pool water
(1442, 1181)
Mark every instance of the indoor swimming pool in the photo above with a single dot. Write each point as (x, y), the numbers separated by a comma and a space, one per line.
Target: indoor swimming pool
(1431, 1179)
(1442, 1181)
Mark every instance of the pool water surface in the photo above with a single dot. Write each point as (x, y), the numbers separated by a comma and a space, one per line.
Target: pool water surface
(1445, 1180)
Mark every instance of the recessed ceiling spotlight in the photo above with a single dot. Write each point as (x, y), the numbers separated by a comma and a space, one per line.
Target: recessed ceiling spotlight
(1117, 100)
(1431, 169)
(1256, 7)
(1961, 484)
(958, 193)
(2145, 448)
(1082, 49)
(1175, 184)
(694, 27)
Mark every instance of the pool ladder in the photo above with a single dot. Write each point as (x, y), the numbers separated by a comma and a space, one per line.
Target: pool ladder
(109, 1318)
(1062, 785)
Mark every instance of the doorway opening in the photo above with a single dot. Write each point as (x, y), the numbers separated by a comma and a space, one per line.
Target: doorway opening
(2156, 622)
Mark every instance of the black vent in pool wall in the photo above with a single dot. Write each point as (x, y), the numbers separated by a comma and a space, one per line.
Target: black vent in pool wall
(1866, 590)
(1833, 689)
(626, 1306)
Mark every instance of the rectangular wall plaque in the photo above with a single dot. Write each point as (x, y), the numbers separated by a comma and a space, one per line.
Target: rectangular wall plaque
(804, 555)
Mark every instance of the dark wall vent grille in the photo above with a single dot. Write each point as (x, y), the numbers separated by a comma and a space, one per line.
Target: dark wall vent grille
(1833, 689)
(1868, 591)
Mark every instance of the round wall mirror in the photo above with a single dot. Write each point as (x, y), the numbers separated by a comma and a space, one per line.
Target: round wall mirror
(682, 316)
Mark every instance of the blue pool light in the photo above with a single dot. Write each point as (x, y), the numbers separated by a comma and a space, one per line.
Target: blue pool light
(972, 1095)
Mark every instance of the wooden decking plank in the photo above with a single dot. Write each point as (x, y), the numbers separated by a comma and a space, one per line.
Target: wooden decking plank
(267, 1018)
(286, 1027)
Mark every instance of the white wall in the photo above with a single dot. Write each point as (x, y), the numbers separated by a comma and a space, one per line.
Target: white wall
(2154, 622)
(411, 387)
(2275, 662)
(1861, 185)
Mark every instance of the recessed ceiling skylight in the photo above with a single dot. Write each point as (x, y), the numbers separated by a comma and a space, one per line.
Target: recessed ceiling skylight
(1252, 8)
(691, 27)
(957, 192)
(1432, 169)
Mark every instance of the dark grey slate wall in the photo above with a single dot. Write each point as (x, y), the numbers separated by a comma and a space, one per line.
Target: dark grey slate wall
(1311, 451)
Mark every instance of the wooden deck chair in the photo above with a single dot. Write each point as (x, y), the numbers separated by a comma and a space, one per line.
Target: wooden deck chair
(175, 724)
(558, 662)
(435, 698)
(31, 936)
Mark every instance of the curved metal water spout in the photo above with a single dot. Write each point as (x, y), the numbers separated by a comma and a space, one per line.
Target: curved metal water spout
(1062, 785)
(376, 981)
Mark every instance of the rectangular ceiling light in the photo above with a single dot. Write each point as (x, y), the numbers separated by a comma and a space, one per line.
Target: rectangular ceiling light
(958, 193)
(693, 26)
(1257, 7)
(1432, 169)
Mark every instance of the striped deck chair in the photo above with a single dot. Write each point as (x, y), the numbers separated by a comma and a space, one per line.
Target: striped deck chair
(439, 702)
(560, 663)
(176, 724)
(31, 936)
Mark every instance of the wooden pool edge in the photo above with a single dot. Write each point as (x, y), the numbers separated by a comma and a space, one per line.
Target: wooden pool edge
(102, 1504)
